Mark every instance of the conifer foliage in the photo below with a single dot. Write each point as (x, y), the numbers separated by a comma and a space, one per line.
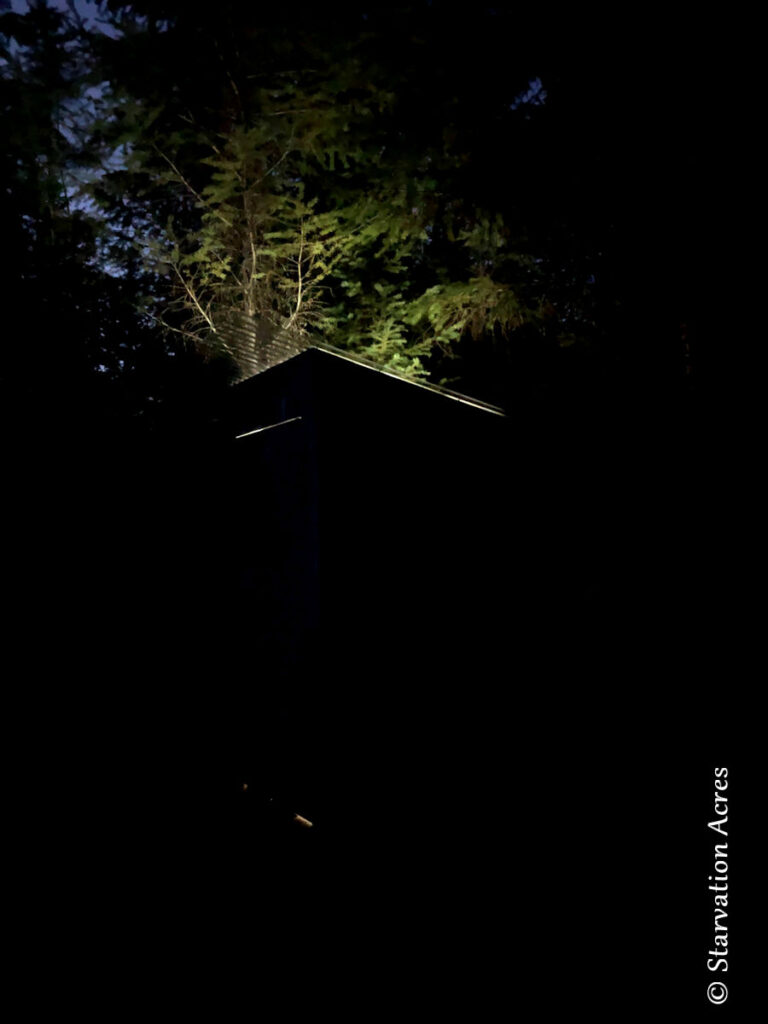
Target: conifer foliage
(313, 180)
(362, 178)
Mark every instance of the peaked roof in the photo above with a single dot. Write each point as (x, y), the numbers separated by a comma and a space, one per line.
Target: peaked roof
(279, 353)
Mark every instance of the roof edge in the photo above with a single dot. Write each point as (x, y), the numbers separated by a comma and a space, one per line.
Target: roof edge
(369, 364)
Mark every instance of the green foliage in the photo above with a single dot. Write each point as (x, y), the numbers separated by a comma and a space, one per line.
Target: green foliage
(319, 179)
(312, 206)
(288, 236)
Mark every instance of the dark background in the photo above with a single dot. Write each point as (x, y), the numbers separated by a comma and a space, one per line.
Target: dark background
(510, 789)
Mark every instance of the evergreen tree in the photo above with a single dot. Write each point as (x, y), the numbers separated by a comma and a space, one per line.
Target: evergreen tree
(323, 180)
(382, 181)
(71, 325)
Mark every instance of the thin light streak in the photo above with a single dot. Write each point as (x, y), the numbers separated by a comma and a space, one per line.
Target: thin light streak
(424, 385)
(271, 426)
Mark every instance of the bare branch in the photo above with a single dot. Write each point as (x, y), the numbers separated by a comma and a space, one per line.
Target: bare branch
(188, 186)
(294, 315)
(193, 297)
(176, 330)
